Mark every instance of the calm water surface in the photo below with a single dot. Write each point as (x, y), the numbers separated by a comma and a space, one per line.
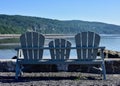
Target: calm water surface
(111, 42)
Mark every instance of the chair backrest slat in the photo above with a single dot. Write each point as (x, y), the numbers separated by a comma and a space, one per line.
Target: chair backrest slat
(68, 44)
(23, 41)
(96, 44)
(90, 43)
(35, 44)
(32, 40)
(61, 50)
(29, 42)
(87, 39)
(78, 44)
(52, 52)
(57, 51)
(41, 44)
(84, 44)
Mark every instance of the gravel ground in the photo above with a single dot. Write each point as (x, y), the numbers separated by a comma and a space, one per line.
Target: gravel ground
(59, 79)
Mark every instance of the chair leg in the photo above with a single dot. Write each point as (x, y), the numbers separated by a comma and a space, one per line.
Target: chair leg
(21, 72)
(17, 70)
(104, 70)
(66, 67)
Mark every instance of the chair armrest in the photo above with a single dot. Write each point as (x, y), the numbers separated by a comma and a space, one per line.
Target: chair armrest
(28, 48)
(88, 48)
(31, 48)
(19, 53)
(102, 52)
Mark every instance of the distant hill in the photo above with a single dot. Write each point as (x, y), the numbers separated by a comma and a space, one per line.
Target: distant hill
(10, 24)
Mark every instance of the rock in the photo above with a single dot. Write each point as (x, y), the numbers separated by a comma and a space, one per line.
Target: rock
(14, 57)
(110, 54)
(7, 65)
(113, 67)
(40, 68)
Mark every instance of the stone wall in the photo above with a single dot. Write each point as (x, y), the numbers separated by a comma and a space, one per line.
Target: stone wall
(7, 65)
(112, 66)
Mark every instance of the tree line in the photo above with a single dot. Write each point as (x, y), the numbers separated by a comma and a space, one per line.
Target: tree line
(17, 24)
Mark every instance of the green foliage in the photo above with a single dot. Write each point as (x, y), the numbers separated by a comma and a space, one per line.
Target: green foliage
(9, 40)
(19, 24)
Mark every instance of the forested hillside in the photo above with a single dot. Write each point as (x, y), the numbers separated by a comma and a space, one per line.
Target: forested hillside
(10, 24)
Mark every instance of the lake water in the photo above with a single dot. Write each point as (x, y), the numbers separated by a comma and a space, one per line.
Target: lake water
(111, 42)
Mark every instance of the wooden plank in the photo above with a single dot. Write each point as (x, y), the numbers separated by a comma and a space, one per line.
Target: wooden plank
(29, 40)
(63, 51)
(96, 44)
(84, 44)
(41, 44)
(52, 52)
(24, 45)
(68, 44)
(78, 44)
(90, 44)
(35, 44)
(57, 44)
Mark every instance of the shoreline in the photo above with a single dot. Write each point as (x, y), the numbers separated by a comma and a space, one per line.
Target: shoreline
(50, 36)
(107, 54)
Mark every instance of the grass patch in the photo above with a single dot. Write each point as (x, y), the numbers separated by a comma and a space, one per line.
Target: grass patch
(9, 40)
(8, 47)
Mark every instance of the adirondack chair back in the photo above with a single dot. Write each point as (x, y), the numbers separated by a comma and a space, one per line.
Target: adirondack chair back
(32, 40)
(56, 52)
(87, 39)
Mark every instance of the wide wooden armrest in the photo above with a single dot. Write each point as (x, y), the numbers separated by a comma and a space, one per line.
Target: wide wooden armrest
(88, 47)
(29, 48)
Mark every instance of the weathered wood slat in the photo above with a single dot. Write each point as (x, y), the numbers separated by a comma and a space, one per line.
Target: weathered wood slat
(68, 44)
(78, 44)
(35, 44)
(41, 44)
(29, 40)
(52, 52)
(23, 41)
(90, 44)
(63, 51)
(84, 44)
(96, 44)
(59, 49)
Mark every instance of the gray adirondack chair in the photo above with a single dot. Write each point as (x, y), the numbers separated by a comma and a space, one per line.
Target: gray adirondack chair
(87, 44)
(31, 43)
(60, 52)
